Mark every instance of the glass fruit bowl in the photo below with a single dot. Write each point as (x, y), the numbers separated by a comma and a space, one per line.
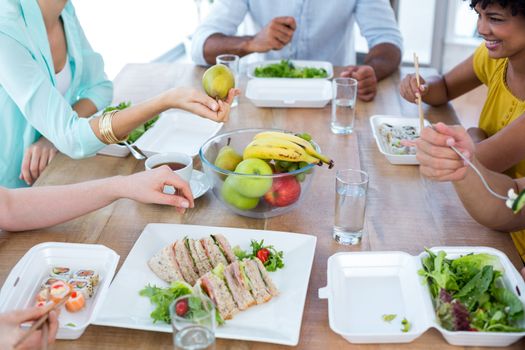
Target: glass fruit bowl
(258, 190)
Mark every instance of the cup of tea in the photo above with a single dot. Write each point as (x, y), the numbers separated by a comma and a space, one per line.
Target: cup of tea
(180, 163)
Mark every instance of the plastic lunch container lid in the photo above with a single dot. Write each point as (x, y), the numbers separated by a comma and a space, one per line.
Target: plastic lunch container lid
(363, 286)
(24, 280)
(289, 93)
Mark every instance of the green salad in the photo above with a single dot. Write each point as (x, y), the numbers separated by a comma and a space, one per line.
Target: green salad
(140, 130)
(286, 69)
(469, 293)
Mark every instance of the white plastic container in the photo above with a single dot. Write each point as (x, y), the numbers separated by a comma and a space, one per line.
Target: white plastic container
(375, 123)
(364, 286)
(289, 93)
(175, 131)
(24, 280)
(250, 69)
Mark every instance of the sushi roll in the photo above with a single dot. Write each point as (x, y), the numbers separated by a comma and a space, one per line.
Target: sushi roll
(43, 295)
(90, 275)
(48, 281)
(76, 302)
(82, 286)
(58, 291)
(61, 272)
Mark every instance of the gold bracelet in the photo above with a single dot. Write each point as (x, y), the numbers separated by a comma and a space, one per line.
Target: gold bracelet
(106, 129)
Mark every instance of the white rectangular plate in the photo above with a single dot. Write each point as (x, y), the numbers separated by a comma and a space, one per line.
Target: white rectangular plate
(250, 72)
(278, 321)
(375, 123)
(288, 93)
(175, 131)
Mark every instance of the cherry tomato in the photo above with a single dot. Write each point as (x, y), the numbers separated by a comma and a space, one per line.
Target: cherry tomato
(263, 255)
(181, 307)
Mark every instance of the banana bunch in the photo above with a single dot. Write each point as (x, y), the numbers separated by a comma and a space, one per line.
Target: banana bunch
(284, 147)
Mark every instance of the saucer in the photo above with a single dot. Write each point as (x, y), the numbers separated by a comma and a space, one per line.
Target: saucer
(199, 183)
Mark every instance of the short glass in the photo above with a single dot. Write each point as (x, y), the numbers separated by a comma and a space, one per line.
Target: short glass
(232, 62)
(350, 204)
(343, 105)
(193, 322)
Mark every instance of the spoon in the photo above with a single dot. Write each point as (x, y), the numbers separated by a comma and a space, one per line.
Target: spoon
(135, 151)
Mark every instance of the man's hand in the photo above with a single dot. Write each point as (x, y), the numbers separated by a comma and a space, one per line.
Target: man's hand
(366, 81)
(274, 36)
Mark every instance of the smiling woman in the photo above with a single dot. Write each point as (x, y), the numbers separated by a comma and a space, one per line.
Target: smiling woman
(498, 63)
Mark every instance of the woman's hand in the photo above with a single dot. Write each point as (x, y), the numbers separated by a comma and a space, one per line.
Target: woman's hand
(36, 158)
(409, 90)
(11, 333)
(437, 160)
(199, 103)
(147, 187)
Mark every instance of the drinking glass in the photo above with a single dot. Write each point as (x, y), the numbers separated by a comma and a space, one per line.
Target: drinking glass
(343, 105)
(350, 203)
(232, 62)
(193, 321)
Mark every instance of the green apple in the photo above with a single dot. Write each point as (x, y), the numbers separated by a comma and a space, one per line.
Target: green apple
(217, 81)
(231, 196)
(252, 186)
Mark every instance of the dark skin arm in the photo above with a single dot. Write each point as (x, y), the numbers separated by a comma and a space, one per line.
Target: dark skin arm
(274, 36)
(381, 61)
(505, 148)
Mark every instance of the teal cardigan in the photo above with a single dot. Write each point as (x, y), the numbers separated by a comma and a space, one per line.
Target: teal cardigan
(30, 104)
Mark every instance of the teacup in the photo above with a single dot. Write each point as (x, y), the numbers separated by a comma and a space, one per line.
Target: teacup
(180, 163)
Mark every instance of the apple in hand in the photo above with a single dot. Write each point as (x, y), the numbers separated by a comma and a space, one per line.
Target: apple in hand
(232, 197)
(284, 191)
(252, 186)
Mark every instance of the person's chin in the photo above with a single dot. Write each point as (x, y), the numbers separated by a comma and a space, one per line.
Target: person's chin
(495, 48)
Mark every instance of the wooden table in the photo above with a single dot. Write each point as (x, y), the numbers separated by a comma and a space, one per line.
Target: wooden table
(404, 212)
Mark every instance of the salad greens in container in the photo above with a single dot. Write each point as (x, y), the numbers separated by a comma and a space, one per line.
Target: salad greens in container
(469, 293)
(286, 69)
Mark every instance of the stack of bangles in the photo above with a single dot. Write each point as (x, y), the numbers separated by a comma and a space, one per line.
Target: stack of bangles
(106, 130)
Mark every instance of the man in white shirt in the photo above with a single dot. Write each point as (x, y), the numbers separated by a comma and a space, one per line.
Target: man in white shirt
(306, 29)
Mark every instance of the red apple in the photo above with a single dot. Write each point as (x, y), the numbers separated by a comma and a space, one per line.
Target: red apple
(284, 191)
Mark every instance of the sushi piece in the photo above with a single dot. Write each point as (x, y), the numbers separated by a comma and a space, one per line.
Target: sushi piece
(90, 275)
(61, 272)
(82, 286)
(58, 291)
(75, 302)
(43, 295)
(48, 281)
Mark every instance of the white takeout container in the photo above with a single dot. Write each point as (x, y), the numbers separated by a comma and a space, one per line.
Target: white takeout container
(24, 280)
(375, 123)
(289, 93)
(250, 70)
(175, 131)
(364, 286)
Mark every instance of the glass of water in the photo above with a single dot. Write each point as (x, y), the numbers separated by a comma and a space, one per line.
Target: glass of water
(350, 203)
(193, 320)
(232, 62)
(343, 105)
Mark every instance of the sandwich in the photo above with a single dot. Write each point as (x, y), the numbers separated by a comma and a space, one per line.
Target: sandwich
(218, 292)
(186, 264)
(188, 259)
(164, 265)
(238, 287)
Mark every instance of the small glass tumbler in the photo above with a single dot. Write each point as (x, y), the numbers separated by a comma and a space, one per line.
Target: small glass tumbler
(343, 105)
(232, 62)
(350, 203)
(193, 320)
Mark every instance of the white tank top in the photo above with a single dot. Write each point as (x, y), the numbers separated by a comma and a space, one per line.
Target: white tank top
(63, 78)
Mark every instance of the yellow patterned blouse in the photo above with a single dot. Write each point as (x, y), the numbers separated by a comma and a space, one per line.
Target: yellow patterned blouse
(501, 108)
